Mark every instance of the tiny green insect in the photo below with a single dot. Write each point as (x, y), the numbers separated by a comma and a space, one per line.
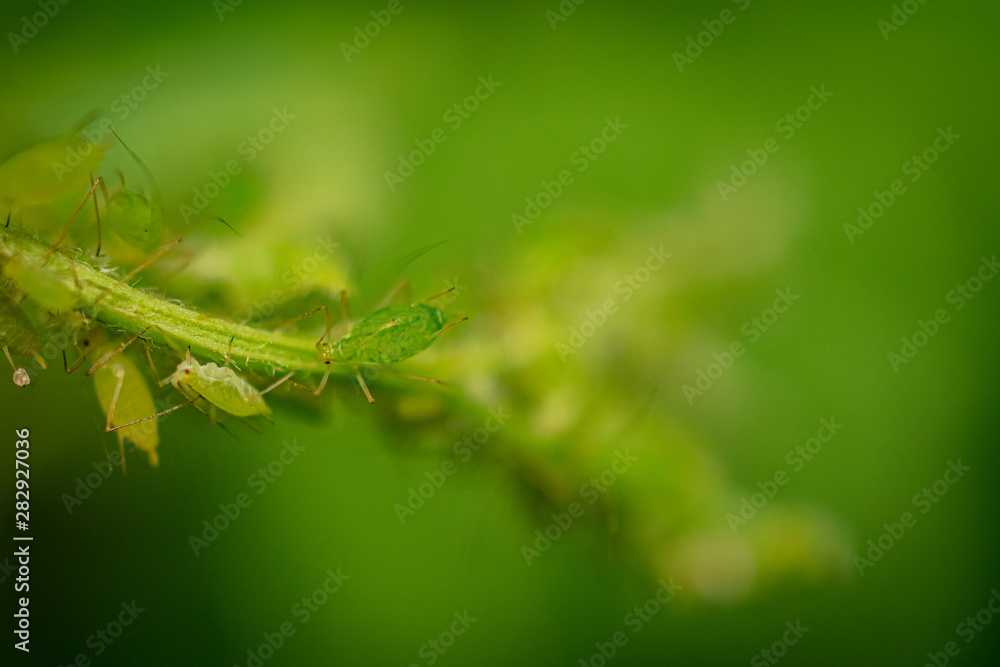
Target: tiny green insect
(211, 388)
(219, 385)
(123, 394)
(389, 335)
(133, 217)
(49, 169)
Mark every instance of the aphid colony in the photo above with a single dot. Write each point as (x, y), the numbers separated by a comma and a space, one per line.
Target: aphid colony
(40, 285)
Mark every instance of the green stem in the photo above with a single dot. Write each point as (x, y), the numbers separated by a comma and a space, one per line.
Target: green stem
(115, 304)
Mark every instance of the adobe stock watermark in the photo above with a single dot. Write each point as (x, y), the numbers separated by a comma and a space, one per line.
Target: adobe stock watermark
(302, 611)
(924, 500)
(797, 458)
(584, 156)
(293, 278)
(364, 36)
(626, 287)
(959, 296)
(635, 620)
(590, 491)
(562, 12)
(432, 650)
(779, 648)
(31, 26)
(455, 116)
(462, 451)
(248, 149)
(258, 481)
(714, 28)
(223, 7)
(87, 485)
(967, 630)
(786, 127)
(900, 14)
(753, 329)
(102, 638)
(915, 167)
(122, 106)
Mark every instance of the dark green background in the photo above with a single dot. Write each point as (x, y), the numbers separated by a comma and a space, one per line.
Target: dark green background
(325, 174)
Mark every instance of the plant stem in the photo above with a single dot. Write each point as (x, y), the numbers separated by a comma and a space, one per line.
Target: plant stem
(117, 305)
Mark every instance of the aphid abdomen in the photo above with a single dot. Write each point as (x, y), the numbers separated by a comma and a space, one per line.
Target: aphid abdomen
(227, 391)
(135, 219)
(134, 402)
(391, 334)
(41, 173)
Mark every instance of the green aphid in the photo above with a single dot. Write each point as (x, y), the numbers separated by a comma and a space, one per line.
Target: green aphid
(220, 386)
(122, 392)
(134, 218)
(389, 335)
(52, 290)
(125, 397)
(49, 169)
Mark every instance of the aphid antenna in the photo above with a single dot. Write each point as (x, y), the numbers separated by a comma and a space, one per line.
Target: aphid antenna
(219, 218)
(387, 299)
(142, 165)
(431, 298)
(448, 326)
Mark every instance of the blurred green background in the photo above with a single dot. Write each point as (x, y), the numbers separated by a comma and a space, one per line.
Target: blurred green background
(524, 289)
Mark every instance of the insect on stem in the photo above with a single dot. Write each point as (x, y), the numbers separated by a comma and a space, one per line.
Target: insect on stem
(65, 231)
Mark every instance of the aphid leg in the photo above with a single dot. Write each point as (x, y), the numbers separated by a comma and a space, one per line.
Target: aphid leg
(230, 433)
(278, 383)
(229, 351)
(120, 374)
(97, 215)
(72, 218)
(121, 348)
(448, 326)
(364, 387)
(78, 362)
(158, 414)
(322, 384)
(158, 253)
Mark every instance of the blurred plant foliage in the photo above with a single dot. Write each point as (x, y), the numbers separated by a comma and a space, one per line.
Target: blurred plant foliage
(580, 338)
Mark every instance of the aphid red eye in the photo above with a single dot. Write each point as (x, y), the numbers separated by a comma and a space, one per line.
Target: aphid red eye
(187, 371)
